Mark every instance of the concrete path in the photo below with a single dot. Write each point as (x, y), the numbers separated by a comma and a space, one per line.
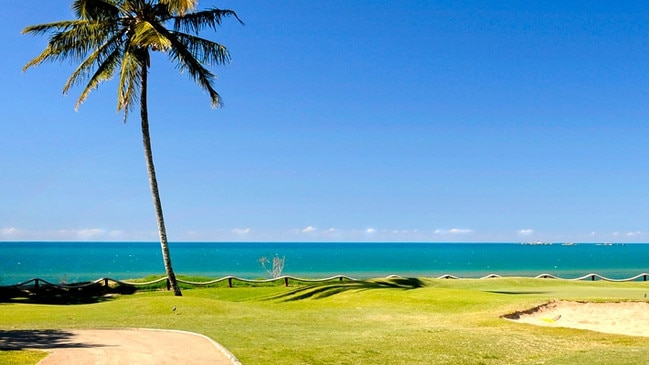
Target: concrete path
(117, 347)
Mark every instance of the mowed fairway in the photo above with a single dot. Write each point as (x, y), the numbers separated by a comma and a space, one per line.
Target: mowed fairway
(385, 321)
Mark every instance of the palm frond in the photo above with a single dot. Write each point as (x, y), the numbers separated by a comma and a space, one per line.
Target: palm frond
(74, 42)
(103, 54)
(180, 6)
(80, 40)
(186, 61)
(146, 36)
(103, 73)
(95, 9)
(204, 50)
(194, 22)
(129, 81)
(53, 26)
(46, 54)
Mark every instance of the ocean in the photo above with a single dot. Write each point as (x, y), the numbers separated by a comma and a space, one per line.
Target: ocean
(83, 261)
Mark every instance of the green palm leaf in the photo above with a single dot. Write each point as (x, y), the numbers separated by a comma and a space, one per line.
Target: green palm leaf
(197, 21)
(180, 6)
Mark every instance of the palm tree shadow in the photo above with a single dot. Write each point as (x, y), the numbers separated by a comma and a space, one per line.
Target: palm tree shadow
(39, 340)
(79, 293)
(321, 291)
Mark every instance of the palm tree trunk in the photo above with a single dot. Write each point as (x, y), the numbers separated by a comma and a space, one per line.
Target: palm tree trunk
(153, 183)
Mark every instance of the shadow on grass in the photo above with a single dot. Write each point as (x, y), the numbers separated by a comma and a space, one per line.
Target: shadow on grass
(516, 292)
(320, 291)
(38, 340)
(79, 293)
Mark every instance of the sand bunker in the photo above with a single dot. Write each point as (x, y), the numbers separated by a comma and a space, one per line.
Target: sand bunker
(625, 318)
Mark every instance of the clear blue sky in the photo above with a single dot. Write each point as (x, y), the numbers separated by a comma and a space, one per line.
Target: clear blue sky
(499, 121)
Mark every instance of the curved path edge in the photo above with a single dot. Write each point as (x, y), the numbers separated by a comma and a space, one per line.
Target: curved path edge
(221, 348)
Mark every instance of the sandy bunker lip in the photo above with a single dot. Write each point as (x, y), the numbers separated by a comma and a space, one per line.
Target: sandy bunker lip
(624, 318)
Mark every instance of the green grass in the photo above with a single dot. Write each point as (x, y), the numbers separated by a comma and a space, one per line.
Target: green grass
(21, 357)
(428, 321)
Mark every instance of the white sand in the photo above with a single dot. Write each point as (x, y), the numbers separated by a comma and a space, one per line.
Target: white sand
(626, 318)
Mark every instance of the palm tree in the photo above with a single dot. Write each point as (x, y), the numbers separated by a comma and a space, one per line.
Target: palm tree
(116, 37)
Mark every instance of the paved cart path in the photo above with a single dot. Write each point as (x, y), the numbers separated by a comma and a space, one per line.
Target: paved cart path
(122, 346)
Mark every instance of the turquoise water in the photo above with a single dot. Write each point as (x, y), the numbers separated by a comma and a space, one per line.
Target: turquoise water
(80, 261)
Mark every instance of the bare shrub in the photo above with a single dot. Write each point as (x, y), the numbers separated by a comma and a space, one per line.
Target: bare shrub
(273, 267)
